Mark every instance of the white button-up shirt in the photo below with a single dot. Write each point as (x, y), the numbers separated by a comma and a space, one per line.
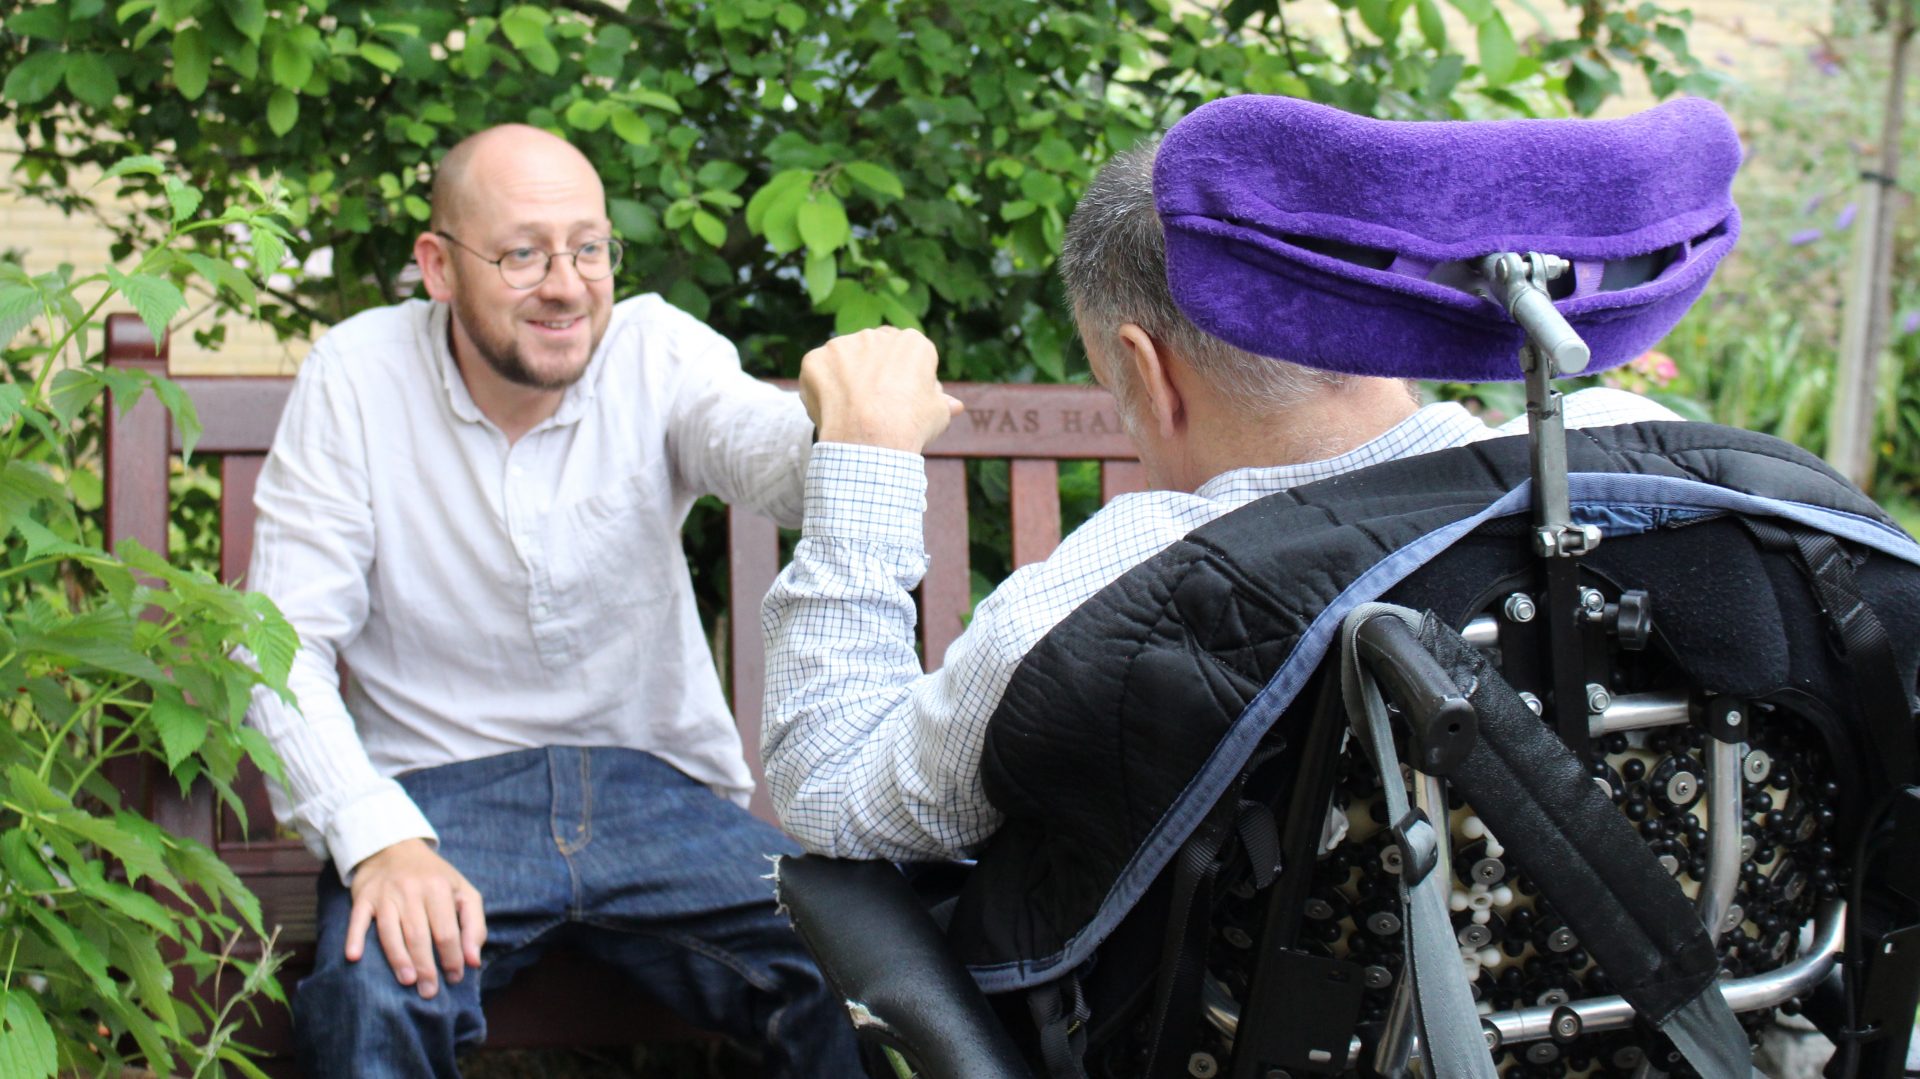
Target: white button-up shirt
(489, 597)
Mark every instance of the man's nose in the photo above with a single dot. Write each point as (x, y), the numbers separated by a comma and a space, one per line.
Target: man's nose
(563, 280)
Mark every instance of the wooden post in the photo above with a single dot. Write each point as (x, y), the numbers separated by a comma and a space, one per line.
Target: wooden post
(1863, 332)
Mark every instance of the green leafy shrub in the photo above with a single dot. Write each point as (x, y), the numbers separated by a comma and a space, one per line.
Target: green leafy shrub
(109, 660)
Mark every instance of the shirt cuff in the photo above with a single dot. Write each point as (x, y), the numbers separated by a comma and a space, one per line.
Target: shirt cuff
(373, 822)
(866, 494)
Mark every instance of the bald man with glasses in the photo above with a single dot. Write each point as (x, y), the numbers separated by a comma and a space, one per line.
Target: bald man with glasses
(474, 501)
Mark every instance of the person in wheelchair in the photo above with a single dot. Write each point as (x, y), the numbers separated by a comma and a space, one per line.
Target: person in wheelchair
(1187, 861)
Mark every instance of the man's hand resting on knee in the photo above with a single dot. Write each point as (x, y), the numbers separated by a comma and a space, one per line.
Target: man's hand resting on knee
(423, 909)
(878, 387)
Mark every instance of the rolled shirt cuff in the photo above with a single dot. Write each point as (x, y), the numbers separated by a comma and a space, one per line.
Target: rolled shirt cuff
(866, 494)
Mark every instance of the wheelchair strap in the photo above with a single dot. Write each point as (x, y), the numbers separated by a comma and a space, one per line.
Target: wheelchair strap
(1631, 916)
(1864, 641)
(1450, 1040)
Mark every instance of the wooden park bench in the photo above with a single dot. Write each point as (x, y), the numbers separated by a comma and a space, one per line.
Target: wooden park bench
(569, 999)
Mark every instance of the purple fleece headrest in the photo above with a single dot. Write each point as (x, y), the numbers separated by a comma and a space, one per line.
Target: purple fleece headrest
(1307, 234)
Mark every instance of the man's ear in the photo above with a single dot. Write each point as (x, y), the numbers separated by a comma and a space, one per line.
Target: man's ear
(1165, 408)
(432, 255)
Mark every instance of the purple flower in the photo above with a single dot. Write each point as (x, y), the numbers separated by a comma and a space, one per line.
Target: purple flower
(1812, 205)
(1911, 323)
(1845, 218)
(1803, 237)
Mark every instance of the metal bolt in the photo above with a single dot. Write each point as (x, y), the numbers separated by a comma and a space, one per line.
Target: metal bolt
(1474, 935)
(1566, 1024)
(1384, 923)
(1377, 977)
(1562, 940)
(1491, 1033)
(1202, 1066)
(1682, 787)
(1519, 607)
(1543, 1052)
(1669, 863)
(1734, 718)
(1489, 871)
(1748, 845)
(1237, 937)
(1627, 1057)
(1597, 698)
(1757, 767)
(1734, 917)
(1318, 909)
(1592, 602)
(1390, 860)
(1532, 702)
(1552, 998)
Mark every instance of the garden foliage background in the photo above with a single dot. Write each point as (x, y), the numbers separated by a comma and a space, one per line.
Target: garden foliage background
(790, 170)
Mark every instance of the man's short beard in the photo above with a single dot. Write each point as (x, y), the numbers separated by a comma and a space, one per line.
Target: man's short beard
(505, 361)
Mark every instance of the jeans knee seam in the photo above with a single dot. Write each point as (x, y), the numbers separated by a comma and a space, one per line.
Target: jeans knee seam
(720, 955)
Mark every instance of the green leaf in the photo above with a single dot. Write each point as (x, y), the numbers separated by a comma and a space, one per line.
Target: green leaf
(25, 786)
(710, 228)
(90, 878)
(822, 271)
(787, 183)
(823, 225)
(585, 115)
(524, 24)
(1375, 14)
(182, 728)
(91, 79)
(289, 63)
(35, 77)
(379, 56)
(269, 251)
(861, 311)
(41, 541)
(75, 947)
(791, 17)
(283, 109)
(192, 60)
(72, 390)
(183, 198)
(225, 275)
(876, 179)
(26, 1041)
(48, 22)
(663, 102)
(1498, 53)
(1476, 11)
(634, 221)
(139, 859)
(23, 863)
(155, 299)
(261, 753)
(19, 305)
(1432, 26)
(141, 163)
(248, 16)
(630, 127)
(139, 956)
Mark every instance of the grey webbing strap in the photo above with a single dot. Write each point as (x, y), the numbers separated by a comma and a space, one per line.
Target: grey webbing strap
(1451, 1043)
(1710, 1036)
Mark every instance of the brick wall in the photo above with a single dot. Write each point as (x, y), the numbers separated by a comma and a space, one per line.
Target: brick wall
(1744, 38)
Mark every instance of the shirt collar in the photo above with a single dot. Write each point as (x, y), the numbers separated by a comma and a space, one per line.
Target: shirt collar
(1435, 427)
(573, 404)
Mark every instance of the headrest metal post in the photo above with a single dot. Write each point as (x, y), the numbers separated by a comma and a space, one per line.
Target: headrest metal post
(1518, 283)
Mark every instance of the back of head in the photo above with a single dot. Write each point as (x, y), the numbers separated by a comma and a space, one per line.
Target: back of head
(1113, 261)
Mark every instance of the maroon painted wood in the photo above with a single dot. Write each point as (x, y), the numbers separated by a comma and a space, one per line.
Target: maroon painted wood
(1121, 478)
(946, 596)
(753, 560)
(1035, 498)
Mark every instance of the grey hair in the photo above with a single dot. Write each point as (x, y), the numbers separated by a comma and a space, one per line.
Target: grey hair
(1113, 260)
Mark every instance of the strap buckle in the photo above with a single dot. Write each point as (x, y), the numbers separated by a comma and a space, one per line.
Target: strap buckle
(1419, 845)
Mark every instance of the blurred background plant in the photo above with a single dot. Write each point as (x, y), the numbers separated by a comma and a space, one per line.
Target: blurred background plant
(115, 669)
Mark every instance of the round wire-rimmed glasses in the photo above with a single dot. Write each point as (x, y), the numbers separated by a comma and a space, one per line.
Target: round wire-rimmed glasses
(525, 267)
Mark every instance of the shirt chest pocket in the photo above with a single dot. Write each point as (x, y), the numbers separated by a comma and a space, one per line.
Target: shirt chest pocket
(615, 551)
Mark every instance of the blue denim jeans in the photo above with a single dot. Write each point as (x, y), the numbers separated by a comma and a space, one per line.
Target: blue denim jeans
(619, 853)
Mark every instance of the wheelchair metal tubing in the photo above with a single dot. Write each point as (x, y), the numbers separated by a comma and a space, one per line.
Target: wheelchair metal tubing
(1637, 711)
(1723, 834)
(1601, 1014)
